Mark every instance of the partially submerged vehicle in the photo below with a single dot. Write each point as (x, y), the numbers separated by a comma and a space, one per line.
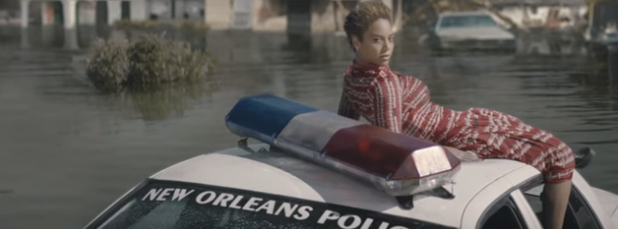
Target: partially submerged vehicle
(602, 30)
(471, 30)
(315, 169)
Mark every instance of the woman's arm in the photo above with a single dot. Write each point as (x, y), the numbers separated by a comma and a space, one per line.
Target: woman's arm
(345, 108)
(386, 94)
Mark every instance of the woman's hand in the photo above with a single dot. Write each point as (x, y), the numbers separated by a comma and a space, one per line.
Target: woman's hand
(464, 156)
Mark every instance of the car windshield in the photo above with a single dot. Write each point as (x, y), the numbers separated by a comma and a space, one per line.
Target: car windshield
(467, 21)
(168, 205)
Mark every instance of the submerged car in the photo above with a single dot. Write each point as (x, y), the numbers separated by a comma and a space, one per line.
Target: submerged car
(475, 30)
(602, 31)
(312, 171)
(602, 27)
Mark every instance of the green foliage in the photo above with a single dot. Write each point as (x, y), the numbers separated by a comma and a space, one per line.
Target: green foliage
(108, 64)
(148, 61)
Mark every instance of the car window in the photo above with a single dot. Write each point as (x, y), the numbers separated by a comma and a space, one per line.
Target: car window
(578, 215)
(504, 214)
(176, 205)
(465, 21)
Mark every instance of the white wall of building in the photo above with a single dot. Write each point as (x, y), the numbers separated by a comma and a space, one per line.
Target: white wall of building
(86, 14)
(139, 10)
(218, 14)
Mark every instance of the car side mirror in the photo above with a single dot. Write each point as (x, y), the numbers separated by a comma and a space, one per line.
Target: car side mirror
(583, 157)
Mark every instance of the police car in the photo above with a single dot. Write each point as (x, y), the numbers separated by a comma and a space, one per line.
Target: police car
(315, 169)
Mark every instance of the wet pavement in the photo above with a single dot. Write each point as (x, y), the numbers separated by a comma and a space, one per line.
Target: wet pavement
(66, 151)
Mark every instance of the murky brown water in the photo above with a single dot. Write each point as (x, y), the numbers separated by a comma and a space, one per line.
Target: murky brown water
(67, 152)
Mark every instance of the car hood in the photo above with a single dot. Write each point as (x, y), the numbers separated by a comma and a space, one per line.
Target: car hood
(609, 201)
(480, 33)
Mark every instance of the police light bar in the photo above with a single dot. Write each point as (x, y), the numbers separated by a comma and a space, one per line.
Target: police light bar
(398, 164)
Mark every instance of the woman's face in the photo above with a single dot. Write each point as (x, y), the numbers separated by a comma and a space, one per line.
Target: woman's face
(377, 44)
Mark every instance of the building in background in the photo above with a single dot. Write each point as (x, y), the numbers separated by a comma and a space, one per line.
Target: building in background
(293, 16)
(545, 14)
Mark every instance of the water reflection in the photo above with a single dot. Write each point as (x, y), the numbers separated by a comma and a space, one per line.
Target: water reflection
(25, 39)
(611, 68)
(550, 45)
(597, 73)
(601, 82)
(70, 40)
(171, 101)
(453, 65)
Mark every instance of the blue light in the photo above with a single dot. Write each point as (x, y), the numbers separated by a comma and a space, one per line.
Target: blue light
(263, 117)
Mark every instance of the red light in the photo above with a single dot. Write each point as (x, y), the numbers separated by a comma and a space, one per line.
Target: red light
(381, 152)
(363, 145)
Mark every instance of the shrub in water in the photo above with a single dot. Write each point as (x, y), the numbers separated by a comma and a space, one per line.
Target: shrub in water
(155, 60)
(149, 61)
(108, 64)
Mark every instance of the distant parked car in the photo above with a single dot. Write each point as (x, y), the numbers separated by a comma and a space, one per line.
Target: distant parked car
(469, 31)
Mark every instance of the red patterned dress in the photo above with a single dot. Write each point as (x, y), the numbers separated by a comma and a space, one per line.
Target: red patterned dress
(402, 104)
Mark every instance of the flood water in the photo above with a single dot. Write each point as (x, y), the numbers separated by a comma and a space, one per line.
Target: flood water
(66, 151)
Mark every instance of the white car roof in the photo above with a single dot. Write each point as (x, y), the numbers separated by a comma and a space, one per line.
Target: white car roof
(279, 174)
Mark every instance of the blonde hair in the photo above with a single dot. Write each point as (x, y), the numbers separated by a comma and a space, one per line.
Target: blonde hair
(360, 19)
